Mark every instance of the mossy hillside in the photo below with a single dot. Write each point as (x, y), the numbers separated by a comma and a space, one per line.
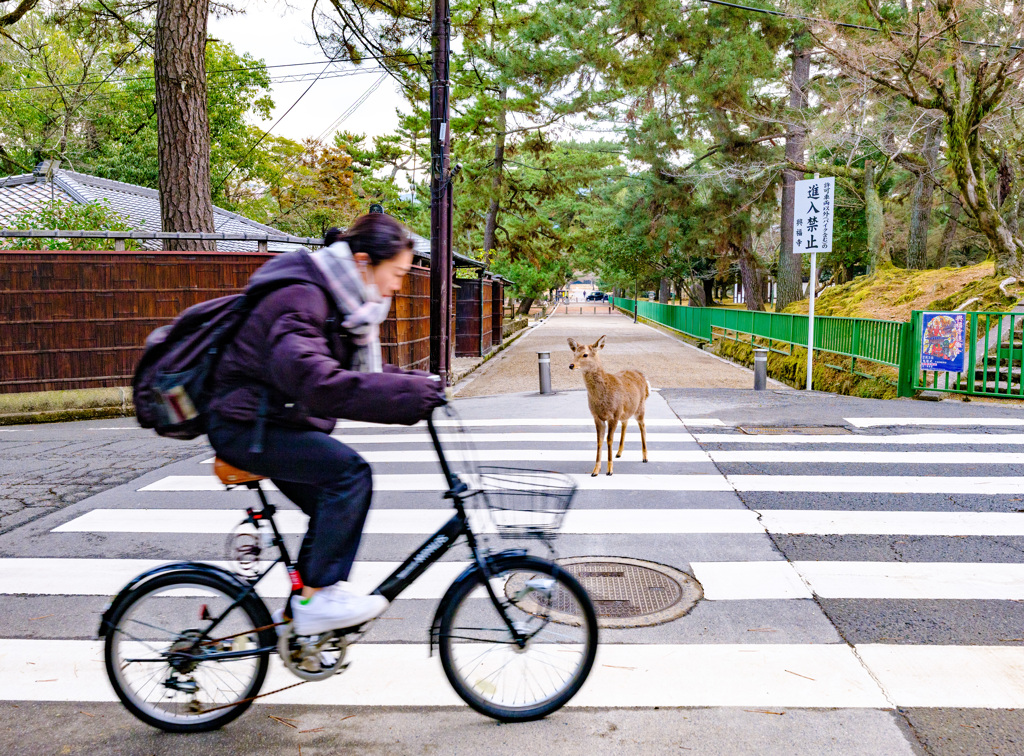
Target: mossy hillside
(792, 370)
(892, 293)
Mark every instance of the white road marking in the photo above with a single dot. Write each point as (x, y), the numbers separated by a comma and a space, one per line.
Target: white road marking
(509, 436)
(961, 439)
(984, 677)
(868, 457)
(435, 482)
(875, 422)
(686, 456)
(741, 581)
(105, 577)
(879, 522)
(625, 675)
(887, 484)
(521, 422)
(528, 455)
(417, 521)
(585, 521)
(721, 581)
(914, 580)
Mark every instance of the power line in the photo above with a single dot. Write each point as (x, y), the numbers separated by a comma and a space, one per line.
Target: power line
(149, 77)
(287, 79)
(319, 140)
(272, 126)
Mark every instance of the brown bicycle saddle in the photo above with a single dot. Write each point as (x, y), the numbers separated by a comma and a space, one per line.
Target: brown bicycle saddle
(231, 476)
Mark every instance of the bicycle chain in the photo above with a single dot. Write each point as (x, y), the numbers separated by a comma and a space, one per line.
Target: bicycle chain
(253, 698)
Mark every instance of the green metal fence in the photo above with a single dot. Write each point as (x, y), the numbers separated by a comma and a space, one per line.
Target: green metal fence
(885, 342)
(994, 356)
(994, 342)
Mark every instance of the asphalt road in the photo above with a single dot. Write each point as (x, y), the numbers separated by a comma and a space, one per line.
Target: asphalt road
(845, 611)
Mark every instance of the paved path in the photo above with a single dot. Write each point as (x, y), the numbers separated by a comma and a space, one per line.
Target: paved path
(863, 590)
(665, 361)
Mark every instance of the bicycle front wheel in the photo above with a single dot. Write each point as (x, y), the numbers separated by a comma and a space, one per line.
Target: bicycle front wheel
(519, 681)
(182, 653)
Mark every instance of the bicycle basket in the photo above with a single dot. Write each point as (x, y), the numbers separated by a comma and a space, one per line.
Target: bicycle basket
(525, 503)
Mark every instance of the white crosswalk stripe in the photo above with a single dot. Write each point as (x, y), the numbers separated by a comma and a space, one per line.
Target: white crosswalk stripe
(686, 502)
(577, 521)
(861, 439)
(982, 485)
(878, 422)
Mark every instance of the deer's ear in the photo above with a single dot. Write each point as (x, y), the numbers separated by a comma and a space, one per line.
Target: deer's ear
(573, 344)
(599, 344)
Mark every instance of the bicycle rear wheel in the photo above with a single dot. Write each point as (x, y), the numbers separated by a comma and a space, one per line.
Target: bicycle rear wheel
(169, 678)
(489, 670)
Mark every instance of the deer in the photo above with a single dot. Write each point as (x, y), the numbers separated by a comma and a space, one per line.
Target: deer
(613, 398)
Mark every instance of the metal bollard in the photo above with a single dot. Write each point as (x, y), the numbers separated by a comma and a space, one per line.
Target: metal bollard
(544, 363)
(760, 369)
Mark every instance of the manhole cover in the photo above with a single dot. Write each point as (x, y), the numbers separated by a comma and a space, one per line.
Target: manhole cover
(782, 430)
(626, 592)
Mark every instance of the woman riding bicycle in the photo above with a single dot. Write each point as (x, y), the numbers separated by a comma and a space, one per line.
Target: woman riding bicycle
(308, 354)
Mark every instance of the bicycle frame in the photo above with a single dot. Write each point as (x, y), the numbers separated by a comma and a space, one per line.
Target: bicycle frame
(430, 551)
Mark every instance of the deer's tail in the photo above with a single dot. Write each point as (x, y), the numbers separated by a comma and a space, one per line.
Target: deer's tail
(648, 394)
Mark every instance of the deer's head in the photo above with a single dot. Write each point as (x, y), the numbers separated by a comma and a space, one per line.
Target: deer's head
(584, 356)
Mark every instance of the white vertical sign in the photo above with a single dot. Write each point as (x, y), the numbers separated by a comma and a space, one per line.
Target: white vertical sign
(813, 211)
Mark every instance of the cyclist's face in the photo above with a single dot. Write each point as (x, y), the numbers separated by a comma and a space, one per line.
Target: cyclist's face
(388, 274)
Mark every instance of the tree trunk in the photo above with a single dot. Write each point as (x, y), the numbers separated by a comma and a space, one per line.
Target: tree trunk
(874, 219)
(948, 234)
(921, 209)
(491, 220)
(752, 276)
(791, 265)
(183, 129)
(963, 150)
(709, 292)
(663, 291)
(524, 306)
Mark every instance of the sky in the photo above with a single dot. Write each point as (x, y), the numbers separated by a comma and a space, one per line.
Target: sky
(278, 34)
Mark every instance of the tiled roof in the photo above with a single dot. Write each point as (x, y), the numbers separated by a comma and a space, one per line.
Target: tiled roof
(141, 206)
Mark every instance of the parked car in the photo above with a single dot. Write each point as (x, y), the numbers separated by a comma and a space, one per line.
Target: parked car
(596, 296)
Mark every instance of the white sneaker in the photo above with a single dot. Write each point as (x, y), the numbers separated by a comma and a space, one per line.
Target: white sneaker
(278, 617)
(334, 608)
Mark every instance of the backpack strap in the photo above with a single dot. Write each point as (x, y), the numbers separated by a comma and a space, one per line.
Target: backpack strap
(259, 429)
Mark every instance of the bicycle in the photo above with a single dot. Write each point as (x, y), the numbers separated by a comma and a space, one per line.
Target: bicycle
(187, 644)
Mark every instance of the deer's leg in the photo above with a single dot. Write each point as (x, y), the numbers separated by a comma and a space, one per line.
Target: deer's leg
(600, 440)
(643, 434)
(622, 438)
(611, 442)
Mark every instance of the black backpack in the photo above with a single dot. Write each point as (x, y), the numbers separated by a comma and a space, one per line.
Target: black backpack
(171, 388)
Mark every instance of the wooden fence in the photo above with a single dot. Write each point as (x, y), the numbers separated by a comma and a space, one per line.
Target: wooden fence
(72, 320)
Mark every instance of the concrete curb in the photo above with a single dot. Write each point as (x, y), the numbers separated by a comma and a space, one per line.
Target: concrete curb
(63, 406)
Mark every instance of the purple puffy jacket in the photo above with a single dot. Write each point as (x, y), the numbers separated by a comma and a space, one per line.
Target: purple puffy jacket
(284, 351)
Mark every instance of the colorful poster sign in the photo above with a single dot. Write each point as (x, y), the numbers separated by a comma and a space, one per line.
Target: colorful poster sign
(813, 211)
(942, 341)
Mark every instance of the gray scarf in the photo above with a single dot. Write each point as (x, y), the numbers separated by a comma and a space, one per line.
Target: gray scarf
(362, 306)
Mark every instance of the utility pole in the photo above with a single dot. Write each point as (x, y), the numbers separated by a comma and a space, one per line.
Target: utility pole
(440, 194)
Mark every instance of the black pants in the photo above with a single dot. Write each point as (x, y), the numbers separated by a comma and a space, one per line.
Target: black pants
(327, 480)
